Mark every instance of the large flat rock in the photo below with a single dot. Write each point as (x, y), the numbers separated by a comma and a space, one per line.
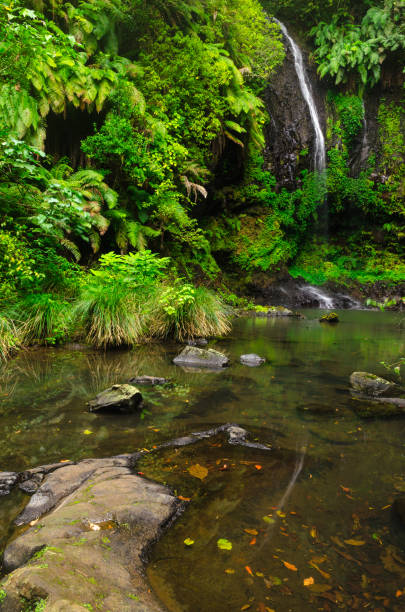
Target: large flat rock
(193, 356)
(87, 552)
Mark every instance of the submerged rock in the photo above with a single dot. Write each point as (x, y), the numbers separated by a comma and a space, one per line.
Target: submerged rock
(7, 481)
(120, 397)
(317, 408)
(89, 548)
(251, 359)
(331, 317)
(148, 380)
(201, 358)
(370, 384)
(367, 407)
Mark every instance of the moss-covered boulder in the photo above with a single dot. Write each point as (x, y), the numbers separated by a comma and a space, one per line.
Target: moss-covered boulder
(370, 384)
(331, 317)
(117, 397)
(192, 356)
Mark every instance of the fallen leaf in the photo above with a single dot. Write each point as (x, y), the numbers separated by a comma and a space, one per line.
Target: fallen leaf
(337, 541)
(188, 542)
(345, 489)
(268, 519)
(355, 542)
(251, 531)
(313, 532)
(183, 498)
(308, 581)
(319, 588)
(249, 571)
(280, 514)
(260, 574)
(63, 460)
(386, 507)
(246, 607)
(290, 566)
(252, 542)
(229, 571)
(224, 544)
(87, 432)
(198, 471)
(258, 467)
(324, 574)
(399, 593)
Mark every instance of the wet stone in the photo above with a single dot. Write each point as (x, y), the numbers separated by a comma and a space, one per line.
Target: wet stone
(201, 358)
(251, 359)
(7, 481)
(148, 380)
(370, 384)
(117, 397)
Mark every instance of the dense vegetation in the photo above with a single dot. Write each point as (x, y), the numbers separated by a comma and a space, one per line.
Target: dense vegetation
(131, 162)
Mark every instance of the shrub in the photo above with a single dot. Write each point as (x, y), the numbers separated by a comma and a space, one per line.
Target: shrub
(183, 311)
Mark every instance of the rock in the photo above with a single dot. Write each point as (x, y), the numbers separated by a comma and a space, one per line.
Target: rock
(273, 311)
(197, 342)
(148, 380)
(89, 549)
(30, 485)
(367, 407)
(398, 508)
(317, 408)
(370, 384)
(121, 397)
(251, 359)
(203, 358)
(7, 481)
(331, 317)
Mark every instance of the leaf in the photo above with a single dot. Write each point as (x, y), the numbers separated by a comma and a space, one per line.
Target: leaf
(87, 432)
(198, 471)
(355, 542)
(258, 467)
(224, 544)
(268, 519)
(322, 572)
(319, 588)
(313, 532)
(246, 607)
(248, 569)
(251, 531)
(290, 566)
(183, 498)
(188, 542)
(308, 581)
(229, 571)
(252, 542)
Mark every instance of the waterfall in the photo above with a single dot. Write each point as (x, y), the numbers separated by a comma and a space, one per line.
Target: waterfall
(320, 155)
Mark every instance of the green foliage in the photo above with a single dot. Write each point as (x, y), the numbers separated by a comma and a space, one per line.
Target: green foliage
(44, 317)
(344, 48)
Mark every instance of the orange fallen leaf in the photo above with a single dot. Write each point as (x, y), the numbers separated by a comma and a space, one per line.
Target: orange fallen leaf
(258, 467)
(252, 542)
(64, 460)
(399, 593)
(248, 569)
(183, 498)
(198, 471)
(313, 532)
(355, 542)
(322, 572)
(251, 531)
(290, 566)
(345, 489)
(308, 581)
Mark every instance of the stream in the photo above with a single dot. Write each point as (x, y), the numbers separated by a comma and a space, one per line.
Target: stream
(310, 521)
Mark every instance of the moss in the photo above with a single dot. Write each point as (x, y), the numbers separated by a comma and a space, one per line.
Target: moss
(331, 317)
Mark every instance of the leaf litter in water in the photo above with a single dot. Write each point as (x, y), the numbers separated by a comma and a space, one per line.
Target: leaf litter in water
(355, 542)
(290, 566)
(198, 471)
(188, 542)
(224, 544)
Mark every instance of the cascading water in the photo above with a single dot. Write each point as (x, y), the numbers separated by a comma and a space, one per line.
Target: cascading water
(320, 155)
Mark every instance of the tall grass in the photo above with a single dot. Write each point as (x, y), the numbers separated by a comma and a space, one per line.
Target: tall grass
(45, 318)
(184, 312)
(9, 338)
(109, 316)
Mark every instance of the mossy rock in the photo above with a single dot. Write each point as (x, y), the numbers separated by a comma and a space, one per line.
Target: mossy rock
(331, 317)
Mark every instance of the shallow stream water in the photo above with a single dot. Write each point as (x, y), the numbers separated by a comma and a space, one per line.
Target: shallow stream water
(314, 508)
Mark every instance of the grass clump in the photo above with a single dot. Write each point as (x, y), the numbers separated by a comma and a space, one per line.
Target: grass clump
(46, 318)
(183, 311)
(9, 338)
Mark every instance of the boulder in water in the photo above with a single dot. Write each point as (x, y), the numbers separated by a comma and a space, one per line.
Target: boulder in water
(370, 384)
(201, 358)
(7, 481)
(148, 380)
(117, 397)
(373, 407)
(331, 317)
(251, 359)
